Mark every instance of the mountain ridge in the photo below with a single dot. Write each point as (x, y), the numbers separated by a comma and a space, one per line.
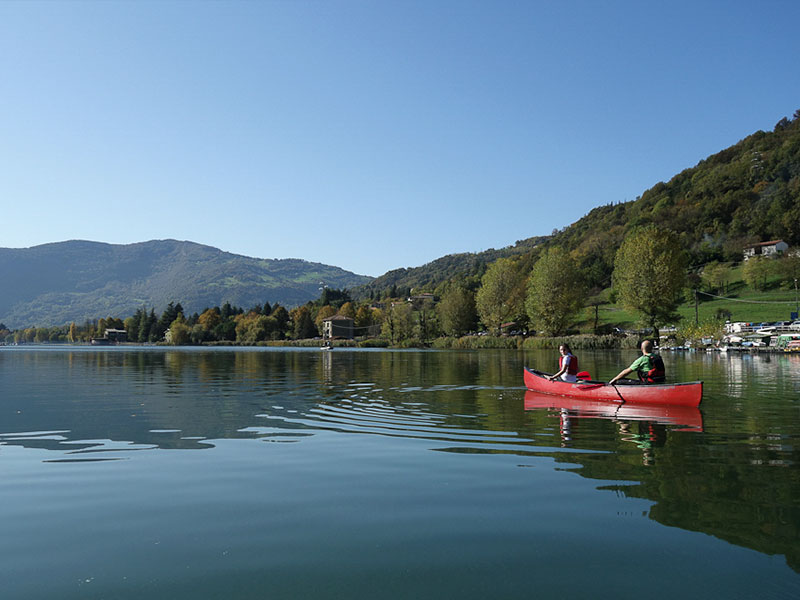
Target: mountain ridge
(75, 280)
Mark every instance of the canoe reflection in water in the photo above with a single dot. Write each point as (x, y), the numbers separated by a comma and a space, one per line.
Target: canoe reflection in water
(643, 425)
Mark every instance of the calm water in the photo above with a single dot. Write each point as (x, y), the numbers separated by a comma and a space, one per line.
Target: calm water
(153, 473)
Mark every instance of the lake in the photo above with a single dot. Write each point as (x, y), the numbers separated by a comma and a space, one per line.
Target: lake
(274, 473)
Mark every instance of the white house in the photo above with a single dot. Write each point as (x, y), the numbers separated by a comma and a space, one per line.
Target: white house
(772, 248)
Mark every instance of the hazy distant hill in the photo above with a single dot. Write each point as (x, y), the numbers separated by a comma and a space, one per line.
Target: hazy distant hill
(53, 284)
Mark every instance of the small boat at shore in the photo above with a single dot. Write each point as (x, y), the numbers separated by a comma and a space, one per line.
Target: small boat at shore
(678, 394)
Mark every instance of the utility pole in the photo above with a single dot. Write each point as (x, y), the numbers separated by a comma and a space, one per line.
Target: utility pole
(696, 317)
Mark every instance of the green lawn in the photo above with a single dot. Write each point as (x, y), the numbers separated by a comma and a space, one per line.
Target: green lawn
(776, 303)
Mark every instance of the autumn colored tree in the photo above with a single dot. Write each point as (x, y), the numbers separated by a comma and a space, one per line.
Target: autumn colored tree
(323, 313)
(347, 310)
(209, 319)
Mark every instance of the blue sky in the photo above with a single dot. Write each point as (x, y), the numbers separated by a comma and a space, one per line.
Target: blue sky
(368, 135)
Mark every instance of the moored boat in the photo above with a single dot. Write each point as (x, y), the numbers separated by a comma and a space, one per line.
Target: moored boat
(679, 394)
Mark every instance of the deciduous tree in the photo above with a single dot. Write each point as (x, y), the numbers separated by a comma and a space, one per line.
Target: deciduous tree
(555, 292)
(649, 273)
(502, 293)
(755, 271)
(302, 324)
(456, 309)
(715, 275)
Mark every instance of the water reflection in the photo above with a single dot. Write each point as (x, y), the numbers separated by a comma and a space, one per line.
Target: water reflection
(728, 470)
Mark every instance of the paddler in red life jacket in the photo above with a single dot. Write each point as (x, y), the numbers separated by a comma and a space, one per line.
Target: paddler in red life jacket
(649, 366)
(568, 364)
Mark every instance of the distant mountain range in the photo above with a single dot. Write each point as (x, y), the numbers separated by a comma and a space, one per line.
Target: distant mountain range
(57, 283)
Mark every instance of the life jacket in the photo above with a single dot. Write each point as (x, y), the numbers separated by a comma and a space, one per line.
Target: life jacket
(572, 367)
(656, 373)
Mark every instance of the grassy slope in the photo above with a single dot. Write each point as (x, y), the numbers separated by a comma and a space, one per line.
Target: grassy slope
(744, 305)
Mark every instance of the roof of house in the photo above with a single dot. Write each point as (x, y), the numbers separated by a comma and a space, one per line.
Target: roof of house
(337, 318)
(772, 243)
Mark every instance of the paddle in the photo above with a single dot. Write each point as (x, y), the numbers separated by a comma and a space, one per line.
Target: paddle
(621, 399)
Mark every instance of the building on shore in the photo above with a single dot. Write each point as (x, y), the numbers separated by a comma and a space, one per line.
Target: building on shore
(337, 327)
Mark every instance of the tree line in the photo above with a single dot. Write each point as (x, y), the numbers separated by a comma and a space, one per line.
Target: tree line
(651, 277)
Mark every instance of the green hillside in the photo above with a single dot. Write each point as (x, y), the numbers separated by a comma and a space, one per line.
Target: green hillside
(467, 265)
(53, 284)
(747, 193)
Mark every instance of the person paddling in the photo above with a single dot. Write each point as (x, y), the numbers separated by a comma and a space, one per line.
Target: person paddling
(568, 364)
(649, 367)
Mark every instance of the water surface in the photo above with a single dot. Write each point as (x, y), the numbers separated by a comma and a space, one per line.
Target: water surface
(262, 473)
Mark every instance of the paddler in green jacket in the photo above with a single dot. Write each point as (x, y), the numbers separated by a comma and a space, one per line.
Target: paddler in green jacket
(649, 366)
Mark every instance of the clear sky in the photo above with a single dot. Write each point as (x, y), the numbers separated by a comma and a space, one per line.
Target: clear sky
(369, 135)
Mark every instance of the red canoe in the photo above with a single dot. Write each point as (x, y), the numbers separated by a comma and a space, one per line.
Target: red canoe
(678, 394)
(684, 418)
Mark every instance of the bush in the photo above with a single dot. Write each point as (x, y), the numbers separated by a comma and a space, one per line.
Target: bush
(373, 343)
(582, 342)
(482, 342)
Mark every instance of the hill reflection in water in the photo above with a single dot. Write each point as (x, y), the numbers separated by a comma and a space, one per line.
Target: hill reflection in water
(727, 470)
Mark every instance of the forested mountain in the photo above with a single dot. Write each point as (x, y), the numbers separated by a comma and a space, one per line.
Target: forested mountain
(53, 284)
(747, 193)
(466, 265)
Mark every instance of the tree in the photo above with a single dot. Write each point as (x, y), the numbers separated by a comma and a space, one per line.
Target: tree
(789, 267)
(281, 316)
(323, 313)
(179, 332)
(501, 295)
(398, 323)
(255, 327)
(755, 272)
(209, 319)
(715, 275)
(457, 314)
(348, 310)
(302, 324)
(131, 325)
(163, 324)
(333, 297)
(649, 274)
(363, 318)
(427, 326)
(555, 292)
(151, 332)
(142, 331)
